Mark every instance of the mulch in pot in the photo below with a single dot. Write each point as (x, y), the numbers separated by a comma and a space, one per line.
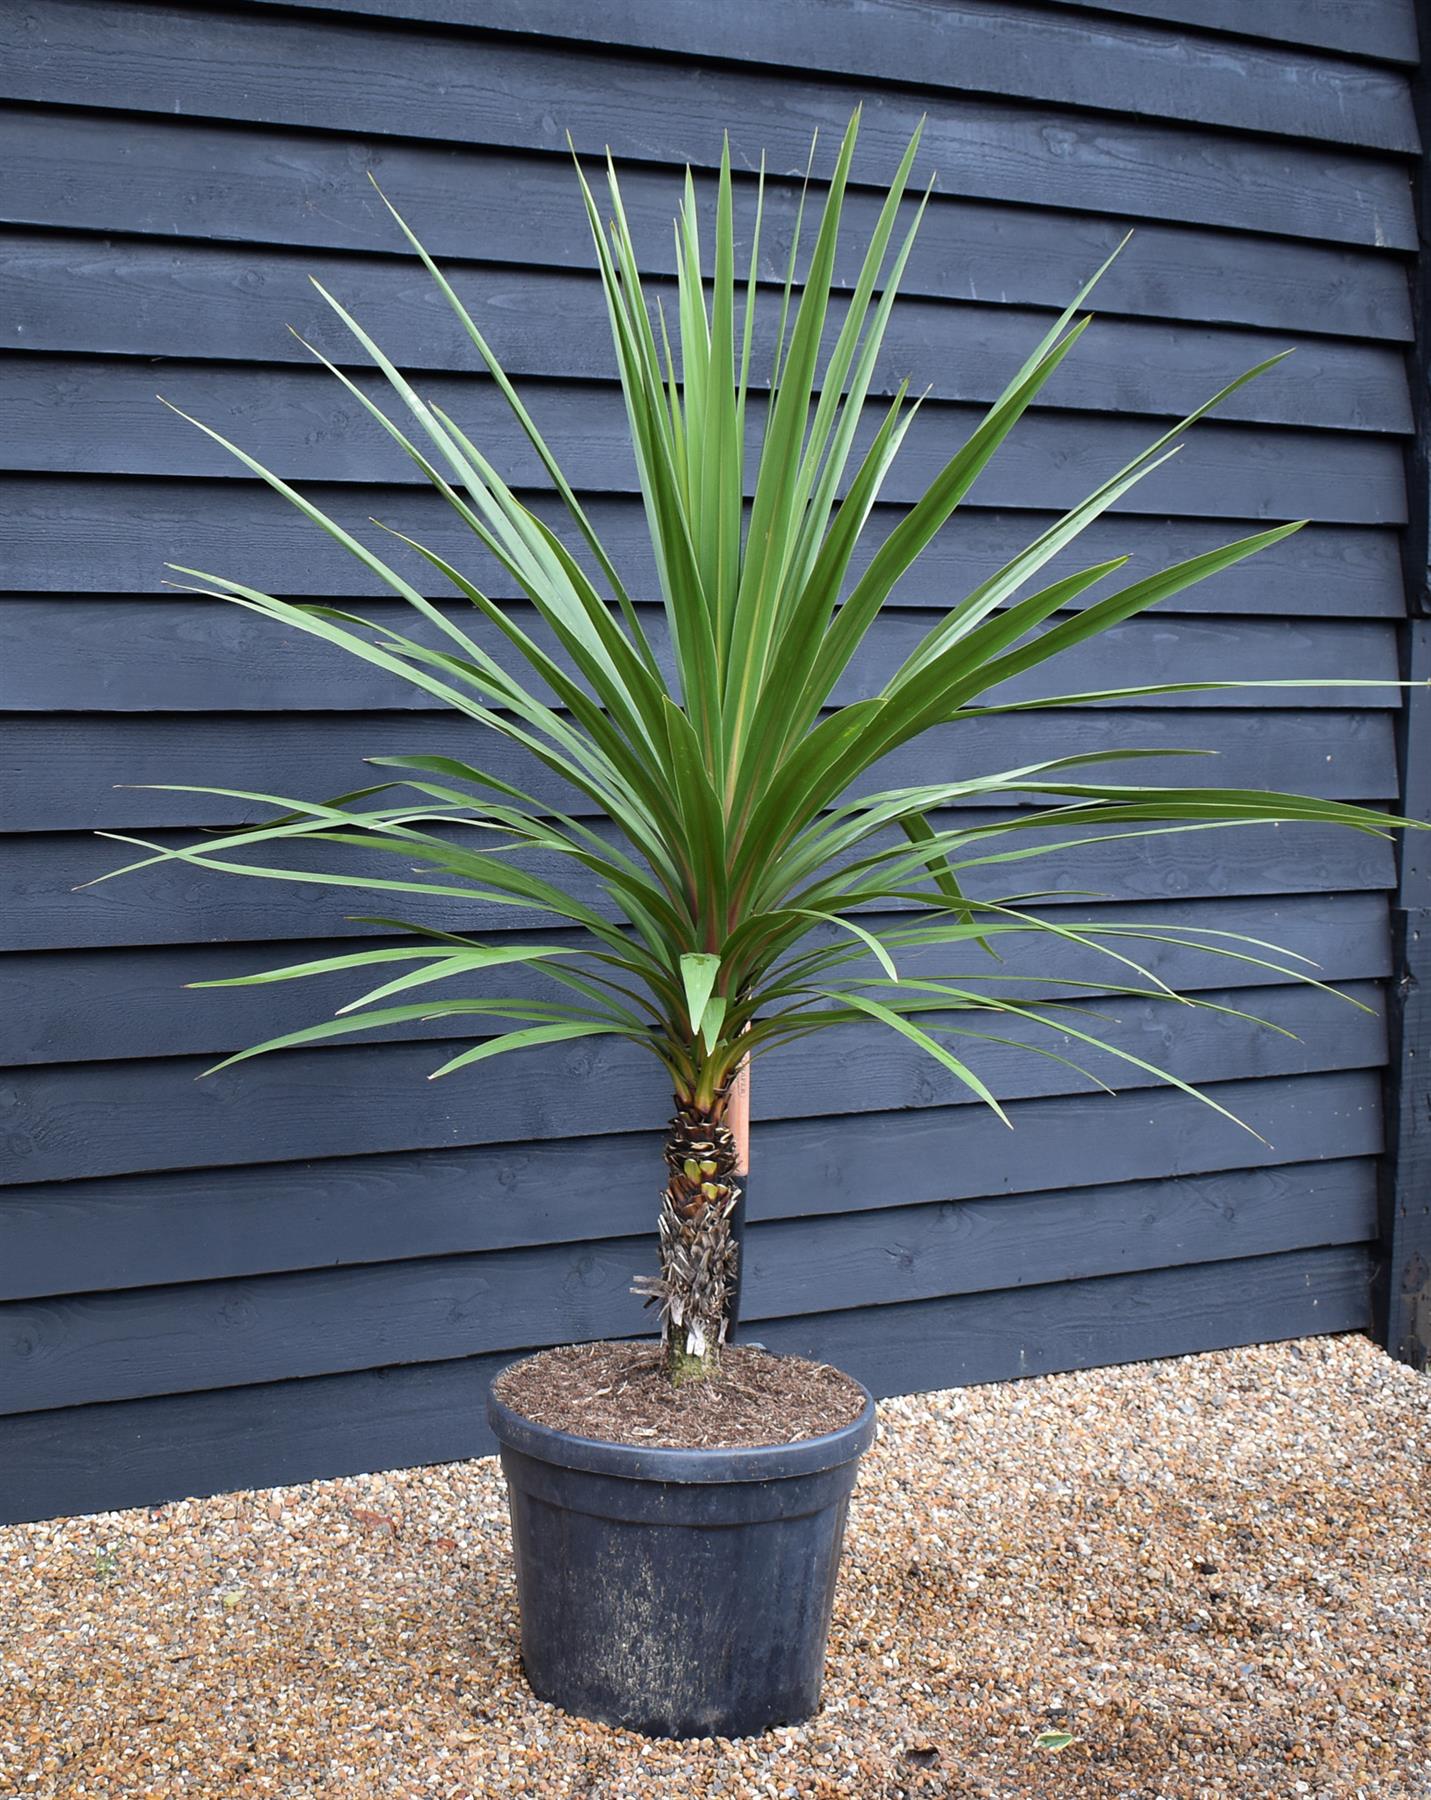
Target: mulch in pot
(620, 1394)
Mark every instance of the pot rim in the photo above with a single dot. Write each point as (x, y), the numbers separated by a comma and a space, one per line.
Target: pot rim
(637, 1462)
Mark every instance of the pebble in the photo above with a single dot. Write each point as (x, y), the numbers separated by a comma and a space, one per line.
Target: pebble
(1200, 1579)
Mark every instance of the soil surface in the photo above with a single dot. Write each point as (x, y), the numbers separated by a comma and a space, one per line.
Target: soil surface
(620, 1393)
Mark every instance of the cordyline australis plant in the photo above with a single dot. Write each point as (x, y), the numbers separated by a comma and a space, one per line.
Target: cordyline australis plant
(729, 893)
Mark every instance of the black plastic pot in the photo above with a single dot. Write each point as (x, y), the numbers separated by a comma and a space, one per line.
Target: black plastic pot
(681, 1593)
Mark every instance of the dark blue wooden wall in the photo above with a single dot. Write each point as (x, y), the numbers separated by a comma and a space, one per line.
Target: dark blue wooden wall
(313, 1264)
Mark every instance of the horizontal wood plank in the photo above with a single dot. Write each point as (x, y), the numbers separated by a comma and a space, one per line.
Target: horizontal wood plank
(215, 1224)
(352, 76)
(95, 296)
(71, 1121)
(100, 416)
(146, 1451)
(136, 174)
(86, 534)
(121, 1346)
(65, 768)
(193, 655)
(1024, 52)
(1375, 28)
(45, 904)
(75, 1350)
(94, 1005)
(140, 1452)
(971, 1246)
(1081, 1325)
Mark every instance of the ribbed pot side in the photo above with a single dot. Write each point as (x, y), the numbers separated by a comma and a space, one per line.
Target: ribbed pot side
(680, 1593)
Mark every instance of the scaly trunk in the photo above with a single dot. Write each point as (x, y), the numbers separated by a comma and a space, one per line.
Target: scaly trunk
(697, 1247)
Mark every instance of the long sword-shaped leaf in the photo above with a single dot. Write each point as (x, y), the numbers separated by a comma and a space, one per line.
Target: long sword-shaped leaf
(774, 520)
(526, 1040)
(360, 959)
(896, 1022)
(401, 1015)
(524, 419)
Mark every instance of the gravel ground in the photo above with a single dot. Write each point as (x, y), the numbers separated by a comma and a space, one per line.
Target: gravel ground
(1211, 1574)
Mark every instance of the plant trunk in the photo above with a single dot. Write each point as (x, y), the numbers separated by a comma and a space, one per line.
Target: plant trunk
(697, 1246)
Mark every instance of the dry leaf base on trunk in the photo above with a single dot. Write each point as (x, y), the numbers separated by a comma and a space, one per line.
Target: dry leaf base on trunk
(697, 1239)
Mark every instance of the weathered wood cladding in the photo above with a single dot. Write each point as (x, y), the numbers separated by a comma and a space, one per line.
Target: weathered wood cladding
(313, 1264)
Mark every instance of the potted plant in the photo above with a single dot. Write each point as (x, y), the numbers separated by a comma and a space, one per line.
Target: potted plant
(705, 811)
